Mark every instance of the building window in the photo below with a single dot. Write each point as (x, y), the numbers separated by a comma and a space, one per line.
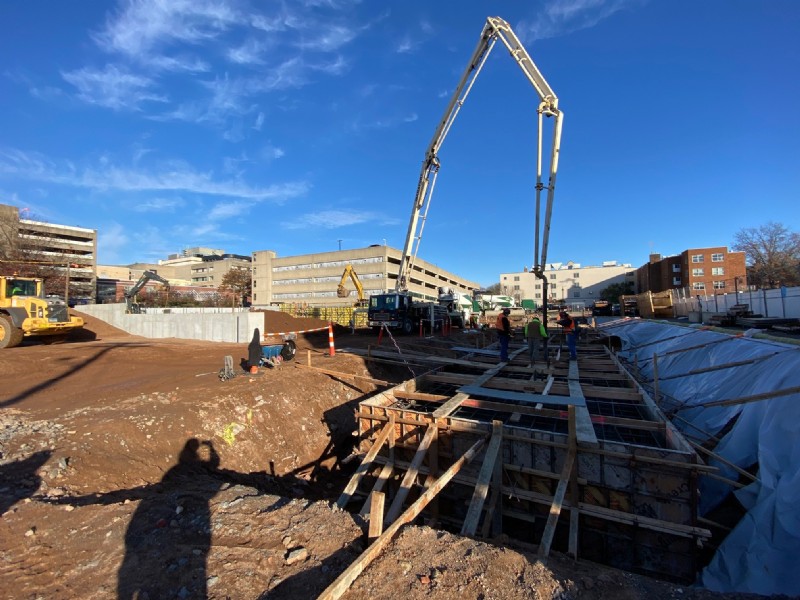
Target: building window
(576, 275)
(676, 281)
(553, 276)
(698, 285)
(676, 268)
(697, 272)
(717, 257)
(516, 277)
(538, 295)
(696, 258)
(576, 294)
(718, 271)
(516, 288)
(255, 297)
(537, 286)
(719, 285)
(254, 283)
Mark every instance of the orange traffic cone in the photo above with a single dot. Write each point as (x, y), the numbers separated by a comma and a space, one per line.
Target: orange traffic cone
(331, 347)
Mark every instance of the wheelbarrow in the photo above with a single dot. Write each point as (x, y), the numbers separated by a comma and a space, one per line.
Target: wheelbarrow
(275, 354)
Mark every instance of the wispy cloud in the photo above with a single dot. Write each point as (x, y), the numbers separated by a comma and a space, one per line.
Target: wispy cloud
(174, 177)
(143, 30)
(159, 205)
(249, 53)
(112, 238)
(333, 219)
(561, 17)
(259, 122)
(405, 45)
(330, 39)
(270, 152)
(113, 87)
(226, 210)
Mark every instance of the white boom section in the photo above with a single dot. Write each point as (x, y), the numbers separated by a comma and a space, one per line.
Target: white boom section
(495, 29)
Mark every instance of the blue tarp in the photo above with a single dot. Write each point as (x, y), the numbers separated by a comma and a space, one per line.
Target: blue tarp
(762, 554)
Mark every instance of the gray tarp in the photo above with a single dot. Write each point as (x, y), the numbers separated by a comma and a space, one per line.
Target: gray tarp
(762, 553)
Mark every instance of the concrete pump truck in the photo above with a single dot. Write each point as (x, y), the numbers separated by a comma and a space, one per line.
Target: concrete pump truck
(398, 309)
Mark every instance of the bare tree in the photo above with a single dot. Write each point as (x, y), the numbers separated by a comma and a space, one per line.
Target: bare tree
(773, 254)
(26, 256)
(237, 282)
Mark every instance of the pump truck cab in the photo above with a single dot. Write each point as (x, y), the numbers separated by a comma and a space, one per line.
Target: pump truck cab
(25, 312)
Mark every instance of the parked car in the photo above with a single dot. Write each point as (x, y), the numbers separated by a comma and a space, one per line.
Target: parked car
(615, 310)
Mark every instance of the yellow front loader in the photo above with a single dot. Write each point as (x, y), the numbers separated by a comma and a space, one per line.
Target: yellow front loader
(25, 312)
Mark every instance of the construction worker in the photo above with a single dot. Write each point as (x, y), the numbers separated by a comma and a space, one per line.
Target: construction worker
(15, 289)
(570, 326)
(536, 334)
(503, 326)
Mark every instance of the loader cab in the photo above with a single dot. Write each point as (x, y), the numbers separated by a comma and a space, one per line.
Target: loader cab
(20, 286)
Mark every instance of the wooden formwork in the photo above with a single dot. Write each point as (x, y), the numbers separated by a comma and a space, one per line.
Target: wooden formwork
(575, 455)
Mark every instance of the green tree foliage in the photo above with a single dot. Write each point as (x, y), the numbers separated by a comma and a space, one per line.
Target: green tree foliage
(772, 254)
(615, 290)
(237, 282)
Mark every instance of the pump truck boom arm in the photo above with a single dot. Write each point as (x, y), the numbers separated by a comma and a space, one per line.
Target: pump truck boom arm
(494, 29)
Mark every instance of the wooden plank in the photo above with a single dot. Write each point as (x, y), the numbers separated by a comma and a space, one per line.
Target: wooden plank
(401, 395)
(555, 507)
(592, 510)
(411, 475)
(573, 485)
(716, 456)
(364, 466)
(482, 486)
(385, 473)
(452, 405)
(585, 430)
(747, 399)
(376, 516)
(476, 390)
(342, 583)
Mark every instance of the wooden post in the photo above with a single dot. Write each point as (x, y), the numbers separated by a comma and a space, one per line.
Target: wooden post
(376, 516)
(656, 399)
(573, 485)
(362, 468)
(411, 474)
(348, 576)
(482, 485)
(309, 357)
(558, 497)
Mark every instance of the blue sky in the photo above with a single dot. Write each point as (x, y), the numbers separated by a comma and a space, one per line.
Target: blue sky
(300, 126)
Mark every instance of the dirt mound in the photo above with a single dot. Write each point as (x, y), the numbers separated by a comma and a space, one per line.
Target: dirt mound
(95, 329)
(281, 322)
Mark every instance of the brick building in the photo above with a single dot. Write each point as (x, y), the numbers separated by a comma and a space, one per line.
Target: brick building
(702, 271)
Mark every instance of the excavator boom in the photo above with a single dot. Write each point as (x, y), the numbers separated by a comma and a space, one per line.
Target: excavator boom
(342, 292)
(130, 295)
(495, 29)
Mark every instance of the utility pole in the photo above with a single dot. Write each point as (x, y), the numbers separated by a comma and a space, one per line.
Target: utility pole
(340, 244)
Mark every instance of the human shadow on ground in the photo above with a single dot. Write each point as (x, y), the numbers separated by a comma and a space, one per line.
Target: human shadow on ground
(168, 538)
(170, 530)
(19, 479)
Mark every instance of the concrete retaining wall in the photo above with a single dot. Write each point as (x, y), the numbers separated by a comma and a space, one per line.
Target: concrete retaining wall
(209, 324)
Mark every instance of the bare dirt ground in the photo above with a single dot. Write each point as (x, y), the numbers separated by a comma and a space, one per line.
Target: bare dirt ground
(129, 470)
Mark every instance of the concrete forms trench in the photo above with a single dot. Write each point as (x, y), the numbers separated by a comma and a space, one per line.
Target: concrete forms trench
(572, 455)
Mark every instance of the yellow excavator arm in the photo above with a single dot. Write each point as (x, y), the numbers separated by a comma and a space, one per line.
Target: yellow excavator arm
(342, 292)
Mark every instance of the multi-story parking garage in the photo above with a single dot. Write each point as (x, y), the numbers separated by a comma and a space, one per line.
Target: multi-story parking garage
(313, 278)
